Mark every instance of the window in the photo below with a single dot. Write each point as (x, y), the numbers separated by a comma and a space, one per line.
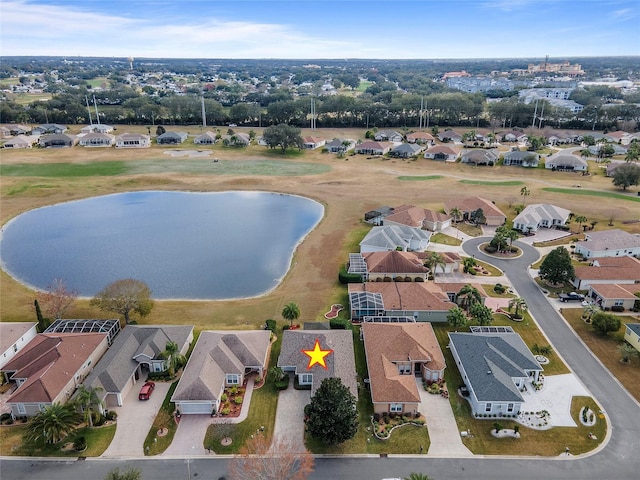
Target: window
(509, 407)
(306, 378)
(395, 407)
(21, 409)
(42, 407)
(233, 379)
(487, 407)
(404, 369)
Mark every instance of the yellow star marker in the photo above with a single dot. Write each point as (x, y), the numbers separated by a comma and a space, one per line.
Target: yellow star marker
(317, 355)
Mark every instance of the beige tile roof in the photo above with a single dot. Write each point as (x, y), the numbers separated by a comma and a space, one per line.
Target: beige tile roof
(394, 262)
(473, 203)
(416, 296)
(615, 291)
(386, 343)
(623, 268)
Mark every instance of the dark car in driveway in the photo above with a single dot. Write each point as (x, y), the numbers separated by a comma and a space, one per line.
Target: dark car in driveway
(146, 391)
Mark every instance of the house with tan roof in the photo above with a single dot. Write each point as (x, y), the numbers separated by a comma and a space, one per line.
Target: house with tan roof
(206, 138)
(392, 264)
(311, 142)
(14, 336)
(57, 140)
(613, 270)
(340, 363)
(97, 139)
(609, 243)
(220, 359)
(371, 147)
(418, 217)
(566, 163)
(21, 141)
(399, 357)
(387, 136)
(50, 368)
(420, 138)
(468, 206)
(133, 140)
(442, 152)
(613, 296)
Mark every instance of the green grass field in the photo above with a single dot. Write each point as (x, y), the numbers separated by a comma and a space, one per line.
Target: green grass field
(593, 193)
(420, 177)
(506, 183)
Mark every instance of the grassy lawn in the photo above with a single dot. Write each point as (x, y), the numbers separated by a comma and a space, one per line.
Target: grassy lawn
(164, 165)
(505, 183)
(493, 271)
(406, 439)
(606, 349)
(445, 239)
(469, 229)
(98, 439)
(594, 193)
(532, 442)
(154, 444)
(262, 413)
(420, 177)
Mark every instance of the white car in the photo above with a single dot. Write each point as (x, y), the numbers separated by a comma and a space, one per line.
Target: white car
(586, 303)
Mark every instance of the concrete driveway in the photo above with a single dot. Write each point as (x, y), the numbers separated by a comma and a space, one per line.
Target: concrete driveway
(289, 427)
(189, 437)
(135, 418)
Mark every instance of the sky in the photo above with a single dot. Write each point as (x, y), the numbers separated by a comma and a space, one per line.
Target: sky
(326, 29)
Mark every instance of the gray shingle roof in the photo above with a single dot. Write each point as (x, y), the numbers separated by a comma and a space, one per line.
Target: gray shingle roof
(491, 361)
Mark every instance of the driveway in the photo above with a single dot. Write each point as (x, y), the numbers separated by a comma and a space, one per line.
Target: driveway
(189, 437)
(289, 427)
(135, 418)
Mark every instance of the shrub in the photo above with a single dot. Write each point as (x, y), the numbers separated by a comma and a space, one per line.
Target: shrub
(419, 279)
(270, 325)
(283, 383)
(238, 400)
(225, 411)
(376, 417)
(337, 324)
(80, 444)
(499, 288)
(233, 390)
(490, 249)
(98, 419)
(617, 308)
(224, 397)
(387, 279)
(4, 417)
(285, 327)
(111, 415)
(345, 277)
(472, 272)
(398, 279)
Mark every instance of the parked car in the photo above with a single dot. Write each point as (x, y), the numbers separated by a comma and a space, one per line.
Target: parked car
(571, 297)
(146, 391)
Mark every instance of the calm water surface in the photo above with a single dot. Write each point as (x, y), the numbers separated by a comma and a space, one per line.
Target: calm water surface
(183, 245)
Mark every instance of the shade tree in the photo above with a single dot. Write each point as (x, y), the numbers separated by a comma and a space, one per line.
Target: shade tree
(332, 417)
(125, 297)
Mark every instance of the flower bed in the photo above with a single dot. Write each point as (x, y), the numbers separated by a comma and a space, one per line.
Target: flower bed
(385, 424)
(231, 401)
(333, 313)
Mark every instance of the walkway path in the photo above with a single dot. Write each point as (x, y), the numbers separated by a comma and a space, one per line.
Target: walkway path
(443, 430)
(289, 426)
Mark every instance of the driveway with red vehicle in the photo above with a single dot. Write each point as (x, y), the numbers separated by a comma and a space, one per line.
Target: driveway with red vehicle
(135, 418)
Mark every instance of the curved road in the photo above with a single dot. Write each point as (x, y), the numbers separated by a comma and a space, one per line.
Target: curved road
(618, 460)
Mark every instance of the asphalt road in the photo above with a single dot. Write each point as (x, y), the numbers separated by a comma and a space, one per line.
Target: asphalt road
(619, 459)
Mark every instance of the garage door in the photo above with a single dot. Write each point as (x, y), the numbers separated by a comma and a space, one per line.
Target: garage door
(193, 408)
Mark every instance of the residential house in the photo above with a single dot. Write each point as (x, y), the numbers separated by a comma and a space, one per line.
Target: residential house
(632, 335)
(171, 138)
(494, 216)
(521, 159)
(207, 138)
(340, 145)
(135, 352)
(97, 128)
(620, 137)
(514, 136)
(399, 357)
(133, 140)
(21, 141)
(392, 264)
(236, 140)
(450, 136)
(377, 216)
(613, 296)
(370, 147)
(340, 363)
(49, 128)
(57, 140)
(624, 270)
(609, 243)
(418, 217)
(406, 150)
(220, 359)
(596, 150)
(388, 136)
(13, 338)
(421, 138)
(97, 139)
(539, 215)
(424, 301)
(5, 132)
(311, 143)
(496, 368)
(442, 152)
(49, 369)
(451, 262)
(566, 163)
(612, 166)
(480, 157)
(395, 237)
(19, 129)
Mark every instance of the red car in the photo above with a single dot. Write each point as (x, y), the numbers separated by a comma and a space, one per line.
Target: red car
(146, 391)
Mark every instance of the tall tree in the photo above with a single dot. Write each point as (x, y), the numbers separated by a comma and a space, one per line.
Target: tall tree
(433, 261)
(332, 416)
(43, 322)
(291, 312)
(456, 317)
(260, 459)
(468, 296)
(605, 323)
(283, 136)
(525, 192)
(478, 217)
(626, 175)
(556, 268)
(173, 359)
(52, 424)
(124, 297)
(456, 213)
(87, 399)
(57, 299)
(481, 314)
(580, 219)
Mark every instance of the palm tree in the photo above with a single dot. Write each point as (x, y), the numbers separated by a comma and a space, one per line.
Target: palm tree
(433, 261)
(87, 399)
(525, 192)
(417, 476)
(589, 310)
(627, 352)
(456, 317)
(291, 312)
(511, 235)
(468, 296)
(520, 304)
(53, 423)
(580, 219)
(173, 357)
(456, 213)
(468, 264)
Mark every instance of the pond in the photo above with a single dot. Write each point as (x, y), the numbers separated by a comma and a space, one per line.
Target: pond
(184, 245)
